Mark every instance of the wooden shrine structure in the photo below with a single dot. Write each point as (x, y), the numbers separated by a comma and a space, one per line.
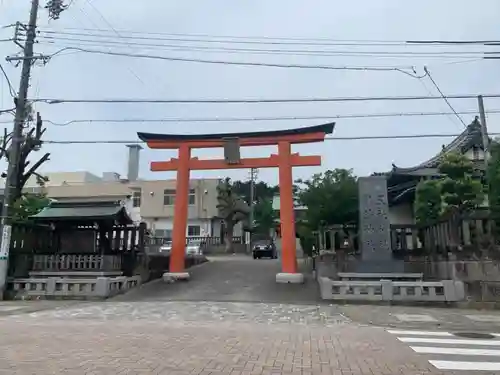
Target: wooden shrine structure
(284, 160)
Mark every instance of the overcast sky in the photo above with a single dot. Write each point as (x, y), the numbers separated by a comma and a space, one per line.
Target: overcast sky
(91, 76)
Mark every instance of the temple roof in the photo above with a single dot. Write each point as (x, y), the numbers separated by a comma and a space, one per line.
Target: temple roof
(324, 128)
(469, 138)
(84, 211)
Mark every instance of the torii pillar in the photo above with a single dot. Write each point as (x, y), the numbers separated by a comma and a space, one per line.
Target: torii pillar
(284, 160)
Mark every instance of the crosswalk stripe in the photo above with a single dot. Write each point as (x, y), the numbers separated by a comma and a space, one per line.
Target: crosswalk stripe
(455, 351)
(471, 366)
(449, 341)
(420, 333)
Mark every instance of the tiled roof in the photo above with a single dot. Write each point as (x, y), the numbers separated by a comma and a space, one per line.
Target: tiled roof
(469, 138)
(84, 211)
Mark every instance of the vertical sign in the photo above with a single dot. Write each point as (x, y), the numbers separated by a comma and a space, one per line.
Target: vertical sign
(5, 245)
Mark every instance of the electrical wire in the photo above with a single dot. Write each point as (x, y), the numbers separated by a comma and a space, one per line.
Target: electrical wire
(131, 71)
(328, 138)
(264, 118)
(249, 100)
(9, 83)
(2, 111)
(240, 63)
(78, 42)
(261, 39)
(444, 97)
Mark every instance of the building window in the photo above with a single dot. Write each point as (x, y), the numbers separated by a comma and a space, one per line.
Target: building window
(194, 230)
(192, 197)
(136, 198)
(163, 233)
(168, 197)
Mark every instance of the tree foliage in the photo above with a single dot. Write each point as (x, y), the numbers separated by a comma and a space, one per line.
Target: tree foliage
(264, 215)
(461, 188)
(262, 191)
(428, 201)
(231, 209)
(458, 190)
(330, 197)
(493, 175)
(28, 205)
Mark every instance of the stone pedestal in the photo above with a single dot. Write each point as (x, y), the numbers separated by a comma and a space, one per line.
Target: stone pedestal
(289, 278)
(375, 230)
(175, 276)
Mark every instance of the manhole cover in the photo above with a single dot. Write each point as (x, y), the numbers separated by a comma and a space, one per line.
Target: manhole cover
(474, 335)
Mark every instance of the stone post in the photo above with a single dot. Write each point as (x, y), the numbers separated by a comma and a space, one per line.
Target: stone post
(374, 227)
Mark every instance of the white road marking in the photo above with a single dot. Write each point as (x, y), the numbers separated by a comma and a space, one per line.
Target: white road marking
(420, 333)
(484, 318)
(471, 366)
(415, 318)
(446, 346)
(455, 351)
(449, 341)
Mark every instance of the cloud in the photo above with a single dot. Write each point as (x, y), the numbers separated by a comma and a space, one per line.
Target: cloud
(81, 75)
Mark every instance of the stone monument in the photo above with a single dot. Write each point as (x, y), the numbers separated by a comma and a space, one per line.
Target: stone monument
(375, 231)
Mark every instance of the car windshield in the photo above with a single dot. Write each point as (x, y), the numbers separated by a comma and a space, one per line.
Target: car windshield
(263, 242)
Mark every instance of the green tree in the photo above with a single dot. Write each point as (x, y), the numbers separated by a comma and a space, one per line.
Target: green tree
(28, 205)
(264, 193)
(493, 177)
(330, 197)
(262, 190)
(461, 188)
(231, 209)
(264, 216)
(428, 201)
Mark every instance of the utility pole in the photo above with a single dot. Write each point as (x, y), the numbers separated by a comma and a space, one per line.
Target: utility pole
(253, 177)
(14, 150)
(484, 130)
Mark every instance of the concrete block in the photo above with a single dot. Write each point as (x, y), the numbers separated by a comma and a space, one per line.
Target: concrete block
(50, 287)
(175, 276)
(102, 287)
(460, 290)
(289, 278)
(449, 290)
(387, 290)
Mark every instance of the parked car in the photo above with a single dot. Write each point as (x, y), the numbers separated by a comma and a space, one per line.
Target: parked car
(166, 248)
(264, 249)
(194, 248)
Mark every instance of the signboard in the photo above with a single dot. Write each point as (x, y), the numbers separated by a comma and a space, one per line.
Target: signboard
(5, 245)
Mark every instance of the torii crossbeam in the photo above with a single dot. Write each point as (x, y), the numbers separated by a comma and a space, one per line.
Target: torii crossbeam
(284, 160)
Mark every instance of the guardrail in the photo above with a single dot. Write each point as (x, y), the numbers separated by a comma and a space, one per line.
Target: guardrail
(388, 290)
(100, 287)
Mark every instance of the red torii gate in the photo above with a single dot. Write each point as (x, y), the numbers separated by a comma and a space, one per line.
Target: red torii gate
(284, 160)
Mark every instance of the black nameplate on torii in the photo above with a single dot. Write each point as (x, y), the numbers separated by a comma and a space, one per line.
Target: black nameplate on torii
(232, 150)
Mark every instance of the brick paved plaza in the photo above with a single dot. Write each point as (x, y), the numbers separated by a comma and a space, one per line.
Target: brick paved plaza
(178, 329)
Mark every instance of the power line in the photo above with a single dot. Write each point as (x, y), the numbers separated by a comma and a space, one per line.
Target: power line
(331, 138)
(240, 63)
(250, 100)
(2, 111)
(132, 71)
(264, 118)
(266, 39)
(9, 83)
(444, 97)
(319, 53)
